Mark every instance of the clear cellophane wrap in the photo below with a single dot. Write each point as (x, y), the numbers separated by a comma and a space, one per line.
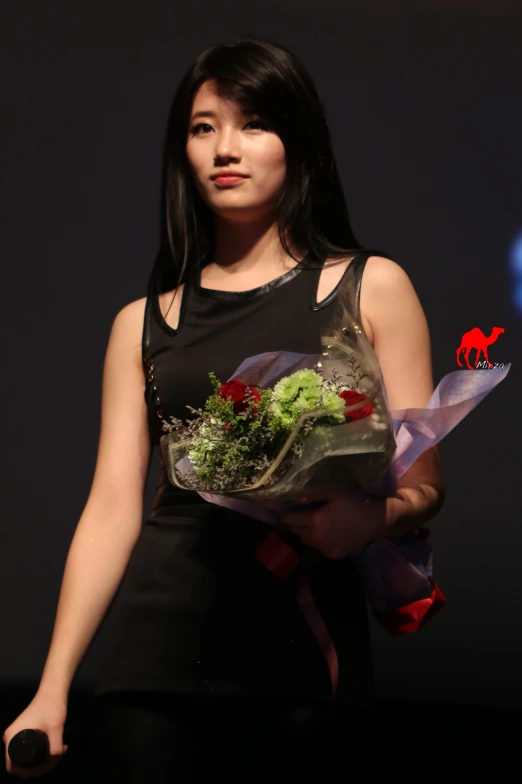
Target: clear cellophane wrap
(371, 453)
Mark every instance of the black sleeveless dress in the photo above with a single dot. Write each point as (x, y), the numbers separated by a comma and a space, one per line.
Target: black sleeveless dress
(196, 611)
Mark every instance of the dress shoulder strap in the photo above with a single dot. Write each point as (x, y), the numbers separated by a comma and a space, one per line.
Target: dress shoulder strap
(149, 350)
(353, 272)
(357, 268)
(146, 339)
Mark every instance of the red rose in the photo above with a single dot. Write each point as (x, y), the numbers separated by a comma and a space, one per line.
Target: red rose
(236, 391)
(351, 397)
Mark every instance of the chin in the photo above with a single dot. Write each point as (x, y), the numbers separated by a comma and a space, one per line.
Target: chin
(239, 211)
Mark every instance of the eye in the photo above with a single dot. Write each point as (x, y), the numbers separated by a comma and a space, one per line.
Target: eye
(260, 123)
(194, 128)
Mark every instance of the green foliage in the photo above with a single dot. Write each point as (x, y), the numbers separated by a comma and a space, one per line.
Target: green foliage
(229, 449)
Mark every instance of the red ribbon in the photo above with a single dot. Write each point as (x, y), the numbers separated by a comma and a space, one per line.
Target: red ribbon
(320, 629)
(282, 559)
(277, 556)
(410, 617)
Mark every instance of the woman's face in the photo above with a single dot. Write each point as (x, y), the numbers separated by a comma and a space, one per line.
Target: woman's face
(222, 137)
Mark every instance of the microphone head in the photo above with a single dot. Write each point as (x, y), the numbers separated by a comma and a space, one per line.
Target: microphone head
(28, 748)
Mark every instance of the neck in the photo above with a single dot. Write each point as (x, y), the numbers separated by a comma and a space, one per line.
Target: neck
(247, 246)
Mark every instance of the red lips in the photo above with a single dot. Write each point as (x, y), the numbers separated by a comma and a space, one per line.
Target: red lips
(227, 173)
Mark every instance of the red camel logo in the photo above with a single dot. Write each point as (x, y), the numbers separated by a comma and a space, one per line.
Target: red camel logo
(476, 339)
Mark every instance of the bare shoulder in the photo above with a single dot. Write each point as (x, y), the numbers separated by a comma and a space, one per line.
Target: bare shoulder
(384, 285)
(381, 272)
(400, 332)
(128, 324)
(133, 312)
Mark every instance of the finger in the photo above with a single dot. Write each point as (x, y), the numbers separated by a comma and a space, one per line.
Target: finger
(49, 765)
(31, 773)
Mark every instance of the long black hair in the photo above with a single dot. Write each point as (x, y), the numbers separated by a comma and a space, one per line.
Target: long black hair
(265, 79)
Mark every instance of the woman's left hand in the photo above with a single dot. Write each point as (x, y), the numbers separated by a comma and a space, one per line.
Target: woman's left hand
(339, 526)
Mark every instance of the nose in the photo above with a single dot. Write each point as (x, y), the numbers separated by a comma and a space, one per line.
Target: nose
(228, 144)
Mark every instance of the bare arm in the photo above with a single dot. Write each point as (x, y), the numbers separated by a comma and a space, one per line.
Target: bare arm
(403, 346)
(111, 520)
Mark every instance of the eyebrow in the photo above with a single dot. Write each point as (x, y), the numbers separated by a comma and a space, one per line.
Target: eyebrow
(202, 114)
(210, 113)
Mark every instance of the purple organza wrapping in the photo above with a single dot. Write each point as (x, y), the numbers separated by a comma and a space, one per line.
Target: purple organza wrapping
(395, 571)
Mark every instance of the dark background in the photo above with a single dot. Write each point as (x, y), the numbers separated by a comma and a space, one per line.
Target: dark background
(425, 106)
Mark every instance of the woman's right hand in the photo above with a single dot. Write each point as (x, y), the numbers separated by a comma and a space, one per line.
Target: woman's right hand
(46, 712)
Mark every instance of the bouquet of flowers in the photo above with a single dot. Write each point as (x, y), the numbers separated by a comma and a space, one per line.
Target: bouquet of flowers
(287, 424)
(270, 444)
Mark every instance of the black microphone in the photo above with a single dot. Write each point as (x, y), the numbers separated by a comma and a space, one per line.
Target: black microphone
(29, 748)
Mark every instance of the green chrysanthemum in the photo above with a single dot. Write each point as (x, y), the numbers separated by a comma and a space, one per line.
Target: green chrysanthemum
(334, 404)
(285, 419)
(308, 399)
(307, 378)
(286, 390)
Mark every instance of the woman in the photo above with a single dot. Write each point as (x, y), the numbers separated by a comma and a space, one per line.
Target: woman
(208, 646)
